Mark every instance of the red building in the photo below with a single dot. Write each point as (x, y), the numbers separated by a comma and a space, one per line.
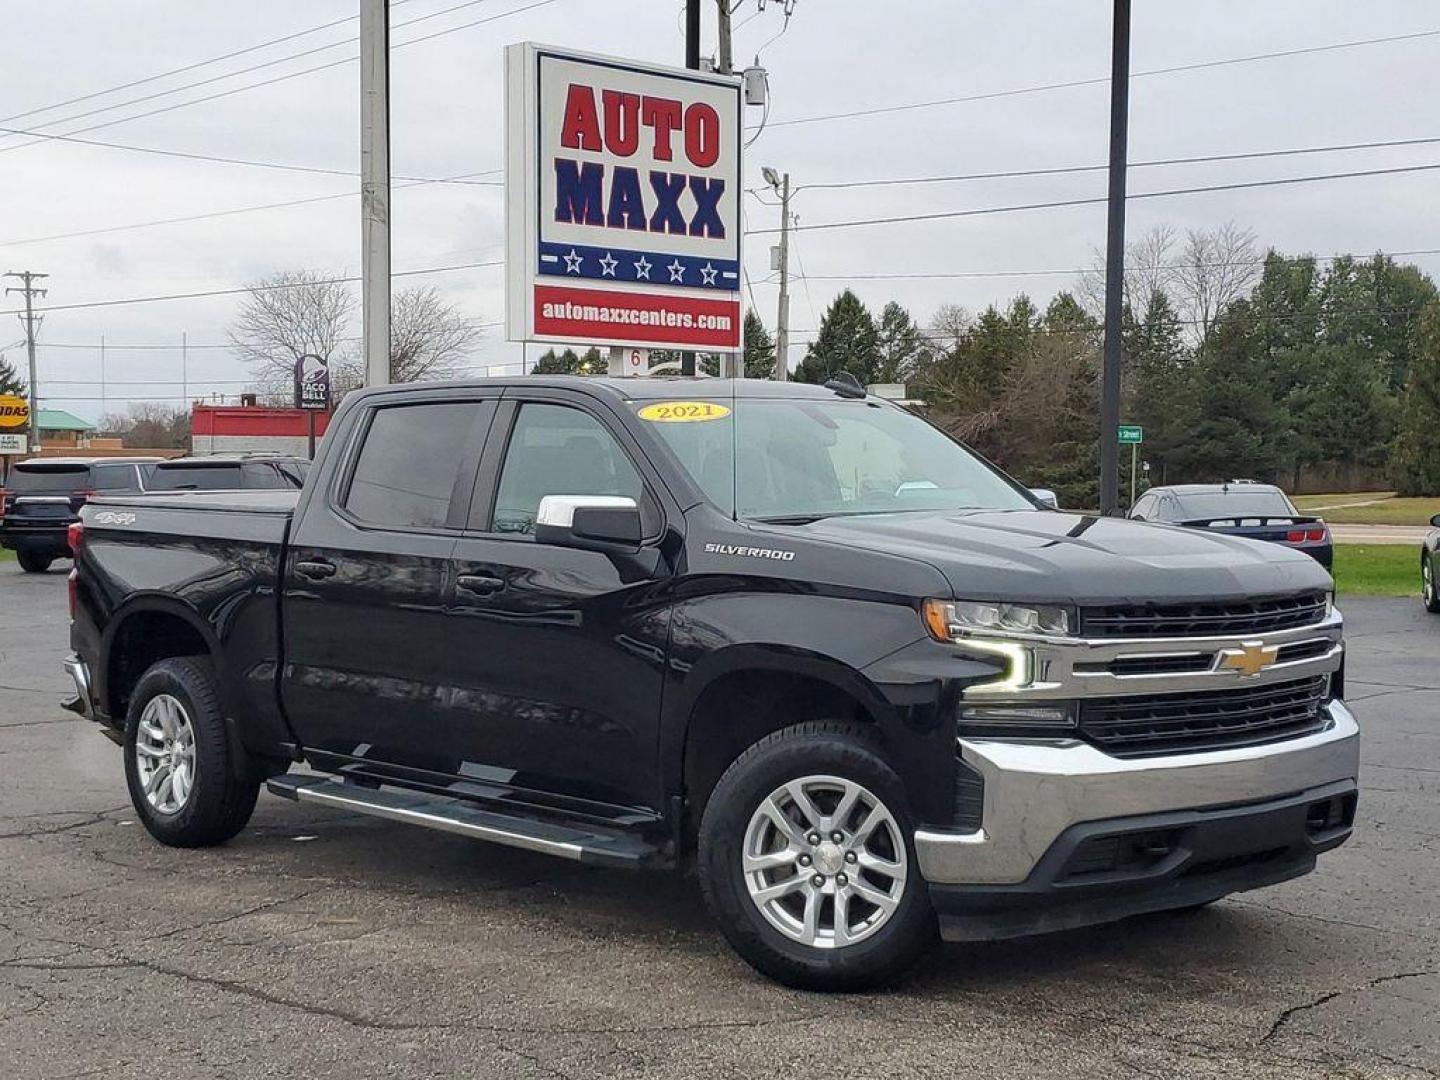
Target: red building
(231, 429)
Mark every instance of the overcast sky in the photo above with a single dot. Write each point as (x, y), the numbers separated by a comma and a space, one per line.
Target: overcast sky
(837, 56)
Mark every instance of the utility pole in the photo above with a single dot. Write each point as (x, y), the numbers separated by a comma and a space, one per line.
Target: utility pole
(29, 277)
(726, 62)
(1115, 261)
(375, 187)
(782, 315)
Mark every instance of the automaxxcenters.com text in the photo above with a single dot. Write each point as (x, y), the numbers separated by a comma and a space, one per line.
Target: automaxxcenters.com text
(635, 317)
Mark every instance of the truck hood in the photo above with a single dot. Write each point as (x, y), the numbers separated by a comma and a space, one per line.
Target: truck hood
(1048, 556)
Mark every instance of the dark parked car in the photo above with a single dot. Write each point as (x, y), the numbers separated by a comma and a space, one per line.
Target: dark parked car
(229, 473)
(42, 497)
(1240, 508)
(1430, 566)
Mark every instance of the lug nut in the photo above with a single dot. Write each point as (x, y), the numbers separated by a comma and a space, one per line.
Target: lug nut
(814, 838)
(837, 836)
(817, 881)
(850, 856)
(804, 860)
(841, 879)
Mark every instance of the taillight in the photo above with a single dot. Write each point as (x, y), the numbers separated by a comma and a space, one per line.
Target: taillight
(1315, 535)
(75, 535)
(1295, 536)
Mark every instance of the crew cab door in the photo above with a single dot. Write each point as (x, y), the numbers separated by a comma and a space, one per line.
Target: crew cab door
(559, 653)
(365, 681)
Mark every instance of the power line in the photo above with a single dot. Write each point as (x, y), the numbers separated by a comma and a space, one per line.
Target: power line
(1101, 81)
(1202, 159)
(282, 78)
(219, 213)
(189, 67)
(1069, 271)
(242, 71)
(319, 169)
(1057, 203)
(251, 289)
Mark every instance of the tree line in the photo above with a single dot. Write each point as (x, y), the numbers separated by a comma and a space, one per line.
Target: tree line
(1274, 367)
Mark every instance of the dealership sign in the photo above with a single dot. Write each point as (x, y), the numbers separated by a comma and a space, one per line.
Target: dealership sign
(622, 202)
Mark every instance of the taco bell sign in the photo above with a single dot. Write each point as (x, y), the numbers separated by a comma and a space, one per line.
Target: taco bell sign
(622, 202)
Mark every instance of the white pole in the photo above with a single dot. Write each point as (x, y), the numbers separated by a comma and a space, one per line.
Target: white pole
(782, 316)
(375, 187)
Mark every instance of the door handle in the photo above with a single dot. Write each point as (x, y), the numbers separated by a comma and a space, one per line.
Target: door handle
(479, 584)
(316, 569)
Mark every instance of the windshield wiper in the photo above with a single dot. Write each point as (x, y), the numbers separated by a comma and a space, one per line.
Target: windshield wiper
(792, 519)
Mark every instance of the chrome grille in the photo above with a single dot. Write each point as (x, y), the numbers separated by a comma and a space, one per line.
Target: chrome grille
(1202, 619)
(1210, 720)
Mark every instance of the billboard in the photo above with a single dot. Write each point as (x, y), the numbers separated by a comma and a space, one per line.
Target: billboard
(622, 191)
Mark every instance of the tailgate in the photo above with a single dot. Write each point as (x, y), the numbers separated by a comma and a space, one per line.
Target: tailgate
(1287, 529)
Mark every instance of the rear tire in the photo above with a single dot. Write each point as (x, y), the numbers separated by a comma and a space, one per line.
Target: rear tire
(1428, 594)
(759, 862)
(33, 563)
(184, 781)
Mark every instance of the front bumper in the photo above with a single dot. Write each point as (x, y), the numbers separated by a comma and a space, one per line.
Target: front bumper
(1036, 791)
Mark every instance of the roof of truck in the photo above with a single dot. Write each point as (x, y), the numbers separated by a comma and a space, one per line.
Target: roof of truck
(677, 387)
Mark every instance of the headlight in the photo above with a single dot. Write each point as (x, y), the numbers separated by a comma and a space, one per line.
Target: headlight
(949, 620)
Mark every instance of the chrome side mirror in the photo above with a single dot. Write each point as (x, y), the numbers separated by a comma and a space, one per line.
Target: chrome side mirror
(609, 523)
(1045, 497)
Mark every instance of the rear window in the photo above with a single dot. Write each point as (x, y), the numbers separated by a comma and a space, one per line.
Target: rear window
(113, 478)
(48, 479)
(196, 478)
(409, 463)
(1267, 502)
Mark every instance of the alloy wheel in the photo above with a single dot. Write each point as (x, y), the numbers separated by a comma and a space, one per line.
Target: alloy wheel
(824, 861)
(165, 754)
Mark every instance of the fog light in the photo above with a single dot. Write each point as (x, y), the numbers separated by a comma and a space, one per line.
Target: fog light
(1048, 719)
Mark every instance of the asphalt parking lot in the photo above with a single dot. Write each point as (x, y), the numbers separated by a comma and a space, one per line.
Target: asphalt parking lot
(324, 945)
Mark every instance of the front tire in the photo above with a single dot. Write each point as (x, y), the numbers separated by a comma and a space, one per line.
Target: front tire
(807, 861)
(184, 782)
(32, 562)
(1427, 583)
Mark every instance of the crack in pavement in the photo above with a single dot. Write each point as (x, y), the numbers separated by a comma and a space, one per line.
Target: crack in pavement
(208, 924)
(1325, 998)
(95, 817)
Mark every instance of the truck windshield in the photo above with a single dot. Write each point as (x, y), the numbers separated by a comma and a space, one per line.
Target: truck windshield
(801, 459)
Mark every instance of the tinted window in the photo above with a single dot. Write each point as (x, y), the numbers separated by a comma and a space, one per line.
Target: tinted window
(1237, 502)
(113, 478)
(409, 463)
(272, 474)
(196, 478)
(48, 479)
(557, 450)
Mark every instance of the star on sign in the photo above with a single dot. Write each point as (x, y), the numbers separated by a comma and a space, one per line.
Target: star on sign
(573, 261)
(608, 264)
(642, 268)
(677, 272)
(707, 274)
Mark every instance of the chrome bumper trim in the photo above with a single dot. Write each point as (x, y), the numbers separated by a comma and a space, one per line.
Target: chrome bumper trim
(1035, 791)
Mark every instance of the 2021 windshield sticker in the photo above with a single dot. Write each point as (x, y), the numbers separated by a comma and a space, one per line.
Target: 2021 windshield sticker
(683, 412)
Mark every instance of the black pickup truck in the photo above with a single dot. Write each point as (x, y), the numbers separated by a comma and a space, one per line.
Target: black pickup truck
(869, 684)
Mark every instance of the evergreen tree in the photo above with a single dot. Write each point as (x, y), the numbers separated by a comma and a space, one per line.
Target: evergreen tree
(902, 347)
(570, 362)
(848, 341)
(10, 381)
(1416, 461)
(759, 348)
(1158, 384)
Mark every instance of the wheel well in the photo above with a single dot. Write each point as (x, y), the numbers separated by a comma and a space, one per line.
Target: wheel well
(739, 709)
(143, 639)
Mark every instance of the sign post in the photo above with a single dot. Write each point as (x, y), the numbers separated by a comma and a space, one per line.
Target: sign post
(622, 192)
(312, 389)
(1134, 435)
(14, 419)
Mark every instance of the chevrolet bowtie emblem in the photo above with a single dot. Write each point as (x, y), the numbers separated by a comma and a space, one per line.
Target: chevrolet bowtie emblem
(1250, 659)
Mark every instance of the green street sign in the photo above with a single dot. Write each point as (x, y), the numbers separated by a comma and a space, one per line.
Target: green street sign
(1131, 433)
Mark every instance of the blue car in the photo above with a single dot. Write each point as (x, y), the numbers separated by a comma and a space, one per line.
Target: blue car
(1240, 508)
